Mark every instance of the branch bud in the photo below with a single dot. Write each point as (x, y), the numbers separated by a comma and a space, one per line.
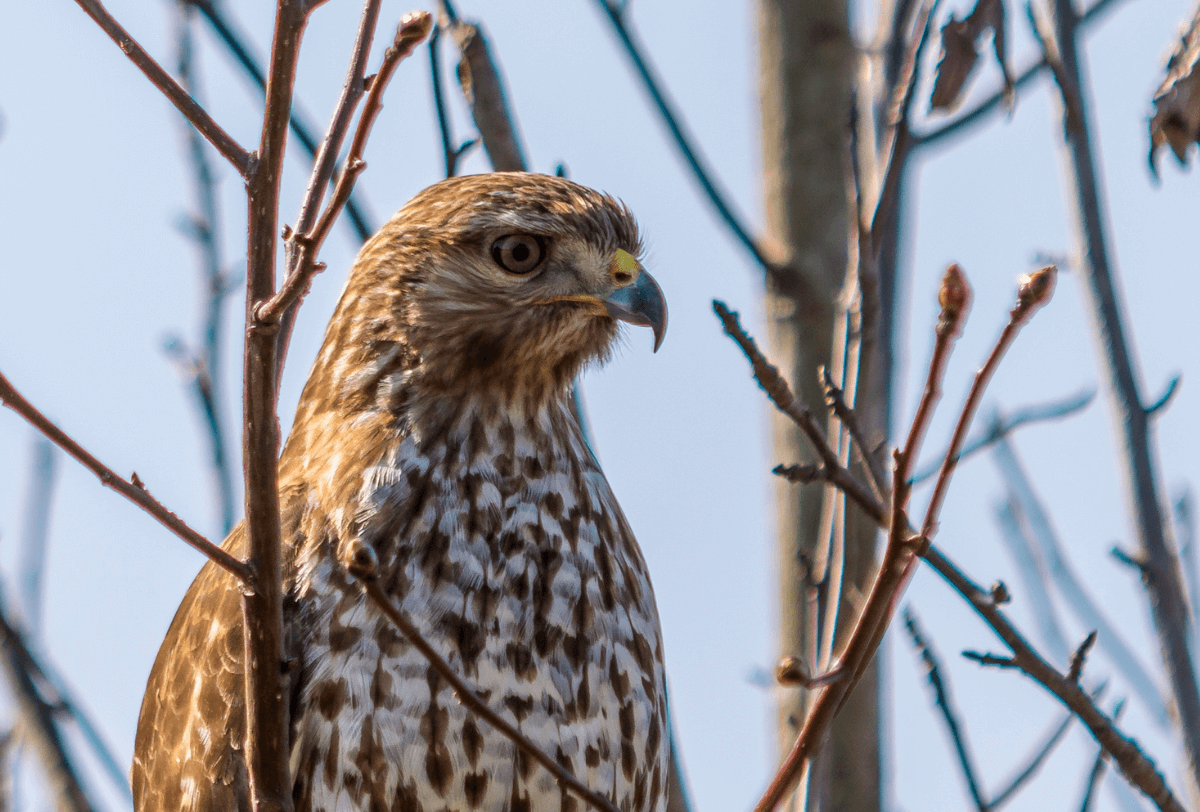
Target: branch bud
(791, 672)
(1034, 291)
(955, 298)
(413, 29)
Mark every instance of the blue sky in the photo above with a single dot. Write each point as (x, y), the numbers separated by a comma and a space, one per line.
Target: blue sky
(94, 275)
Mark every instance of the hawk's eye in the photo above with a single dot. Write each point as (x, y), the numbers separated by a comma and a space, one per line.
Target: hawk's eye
(519, 253)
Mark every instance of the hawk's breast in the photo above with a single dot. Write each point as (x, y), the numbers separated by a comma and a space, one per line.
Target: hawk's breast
(502, 541)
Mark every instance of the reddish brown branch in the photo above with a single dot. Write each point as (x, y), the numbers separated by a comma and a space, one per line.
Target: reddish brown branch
(1035, 291)
(899, 556)
(361, 562)
(134, 491)
(307, 241)
(242, 160)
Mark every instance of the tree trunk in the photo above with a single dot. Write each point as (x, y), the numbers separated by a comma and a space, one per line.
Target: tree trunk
(806, 77)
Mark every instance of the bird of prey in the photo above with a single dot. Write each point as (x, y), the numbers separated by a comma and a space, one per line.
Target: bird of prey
(437, 428)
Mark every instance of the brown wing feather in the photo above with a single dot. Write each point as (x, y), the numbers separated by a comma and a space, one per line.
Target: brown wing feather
(188, 751)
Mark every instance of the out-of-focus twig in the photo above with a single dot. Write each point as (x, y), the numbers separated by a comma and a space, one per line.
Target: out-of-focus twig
(1002, 425)
(1038, 758)
(1069, 584)
(227, 31)
(941, 693)
(39, 729)
(1034, 578)
(36, 530)
(1099, 765)
(451, 154)
(203, 368)
(1164, 583)
(615, 13)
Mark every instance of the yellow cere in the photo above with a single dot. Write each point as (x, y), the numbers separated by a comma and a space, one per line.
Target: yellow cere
(624, 261)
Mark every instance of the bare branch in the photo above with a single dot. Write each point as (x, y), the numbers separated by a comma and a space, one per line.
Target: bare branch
(306, 243)
(36, 530)
(1034, 577)
(242, 160)
(941, 694)
(1099, 765)
(131, 489)
(1035, 763)
(1164, 584)
(1034, 292)
(227, 32)
(1136, 767)
(683, 141)
(777, 389)
(1004, 425)
(361, 562)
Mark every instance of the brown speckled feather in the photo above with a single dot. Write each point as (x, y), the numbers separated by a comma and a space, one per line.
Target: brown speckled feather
(436, 427)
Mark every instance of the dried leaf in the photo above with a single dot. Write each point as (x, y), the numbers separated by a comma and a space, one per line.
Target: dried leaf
(960, 53)
(1176, 119)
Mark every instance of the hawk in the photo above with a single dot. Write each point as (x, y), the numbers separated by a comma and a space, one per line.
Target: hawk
(437, 428)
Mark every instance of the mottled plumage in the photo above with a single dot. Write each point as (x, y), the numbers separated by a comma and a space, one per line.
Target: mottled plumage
(436, 427)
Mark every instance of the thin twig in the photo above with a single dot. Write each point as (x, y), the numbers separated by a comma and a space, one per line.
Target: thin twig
(941, 694)
(834, 398)
(1099, 765)
(233, 152)
(1035, 763)
(225, 29)
(1002, 425)
(205, 370)
(38, 724)
(683, 141)
(36, 531)
(131, 489)
(307, 242)
(1137, 768)
(1164, 584)
(1035, 290)
(363, 567)
(777, 389)
(1070, 586)
(450, 153)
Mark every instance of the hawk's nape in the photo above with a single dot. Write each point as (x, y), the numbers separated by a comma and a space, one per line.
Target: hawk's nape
(436, 428)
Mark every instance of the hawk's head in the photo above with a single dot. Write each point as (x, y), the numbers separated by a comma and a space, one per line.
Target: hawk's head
(508, 280)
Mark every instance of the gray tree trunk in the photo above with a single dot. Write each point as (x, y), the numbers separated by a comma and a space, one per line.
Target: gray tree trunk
(806, 80)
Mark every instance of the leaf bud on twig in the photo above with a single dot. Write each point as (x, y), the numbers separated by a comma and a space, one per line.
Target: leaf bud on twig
(954, 296)
(1034, 291)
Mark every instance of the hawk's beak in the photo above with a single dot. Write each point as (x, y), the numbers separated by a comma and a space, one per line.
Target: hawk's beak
(637, 299)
